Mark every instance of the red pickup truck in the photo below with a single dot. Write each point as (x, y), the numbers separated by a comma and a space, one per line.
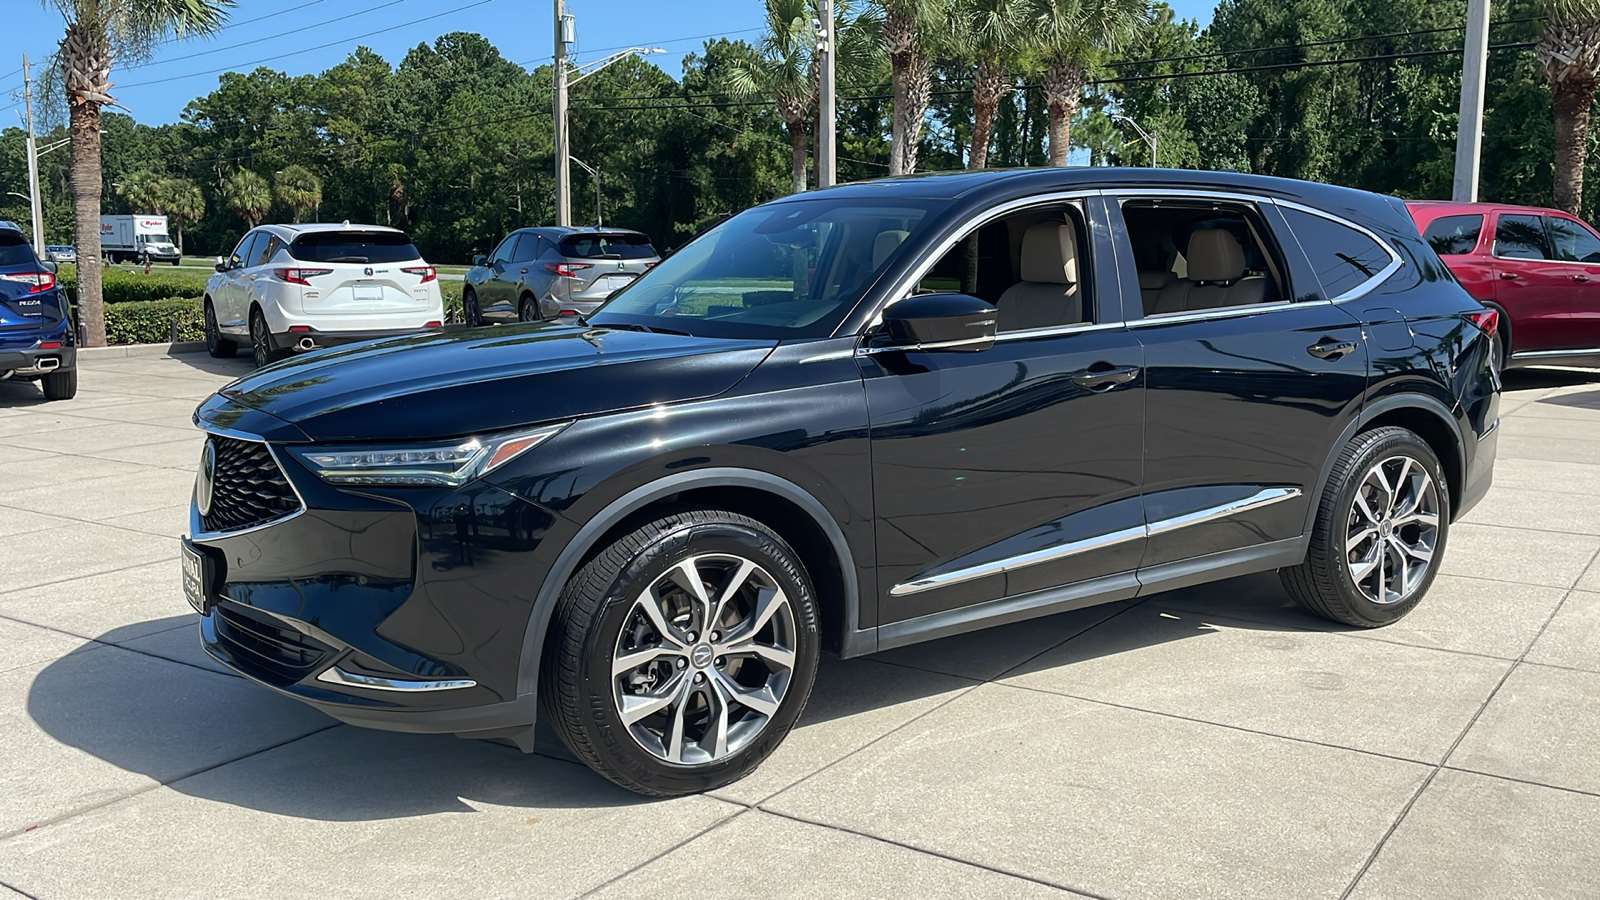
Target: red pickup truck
(1539, 267)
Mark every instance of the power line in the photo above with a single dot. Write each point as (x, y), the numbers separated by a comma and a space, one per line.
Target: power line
(697, 37)
(270, 37)
(279, 56)
(231, 24)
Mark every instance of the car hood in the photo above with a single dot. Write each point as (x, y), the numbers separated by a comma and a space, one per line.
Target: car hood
(470, 381)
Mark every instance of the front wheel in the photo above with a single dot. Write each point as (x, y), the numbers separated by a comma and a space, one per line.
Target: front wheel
(1380, 531)
(681, 656)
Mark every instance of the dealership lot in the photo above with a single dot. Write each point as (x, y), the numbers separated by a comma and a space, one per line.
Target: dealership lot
(1212, 742)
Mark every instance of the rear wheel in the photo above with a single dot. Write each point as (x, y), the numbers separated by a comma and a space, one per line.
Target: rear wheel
(681, 656)
(528, 309)
(261, 341)
(60, 385)
(1381, 527)
(218, 346)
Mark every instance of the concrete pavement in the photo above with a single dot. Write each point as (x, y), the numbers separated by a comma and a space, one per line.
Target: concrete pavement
(1211, 742)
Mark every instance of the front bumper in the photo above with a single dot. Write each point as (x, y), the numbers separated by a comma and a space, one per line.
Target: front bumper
(400, 609)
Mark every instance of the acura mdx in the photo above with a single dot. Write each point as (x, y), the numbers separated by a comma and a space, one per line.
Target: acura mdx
(848, 420)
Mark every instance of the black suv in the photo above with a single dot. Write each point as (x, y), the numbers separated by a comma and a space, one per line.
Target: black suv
(849, 420)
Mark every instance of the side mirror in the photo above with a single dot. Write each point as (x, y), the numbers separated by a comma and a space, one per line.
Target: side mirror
(480, 260)
(50, 266)
(954, 322)
(221, 265)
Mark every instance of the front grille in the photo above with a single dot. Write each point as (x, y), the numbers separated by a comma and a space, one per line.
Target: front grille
(266, 649)
(248, 488)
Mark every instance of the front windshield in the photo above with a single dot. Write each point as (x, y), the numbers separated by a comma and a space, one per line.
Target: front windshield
(157, 239)
(779, 271)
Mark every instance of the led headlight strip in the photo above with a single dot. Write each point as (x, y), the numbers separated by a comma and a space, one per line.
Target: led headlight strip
(448, 464)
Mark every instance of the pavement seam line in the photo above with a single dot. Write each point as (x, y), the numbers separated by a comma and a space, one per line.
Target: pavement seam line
(110, 801)
(1554, 787)
(107, 523)
(18, 891)
(148, 562)
(742, 809)
(1443, 763)
(98, 642)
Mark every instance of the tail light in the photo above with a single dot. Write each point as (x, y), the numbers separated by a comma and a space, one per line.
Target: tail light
(300, 329)
(568, 312)
(49, 345)
(651, 265)
(567, 270)
(426, 273)
(36, 281)
(434, 324)
(300, 276)
(1487, 320)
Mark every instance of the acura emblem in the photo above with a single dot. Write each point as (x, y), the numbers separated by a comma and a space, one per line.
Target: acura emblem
(367, 271)
(204, 481)
(622, 265)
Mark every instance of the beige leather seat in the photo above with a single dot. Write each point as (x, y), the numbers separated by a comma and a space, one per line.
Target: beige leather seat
(1048, 293)
(885, 244)
(1151, 282)
(1216, 276)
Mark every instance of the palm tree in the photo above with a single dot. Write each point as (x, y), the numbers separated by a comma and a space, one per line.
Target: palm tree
(1070, 34)
(99, 31)
(1569, 53)
(142, 190)
(990, 31)
(297, 188)
(247, 194)
(184, 203)
(908, 26)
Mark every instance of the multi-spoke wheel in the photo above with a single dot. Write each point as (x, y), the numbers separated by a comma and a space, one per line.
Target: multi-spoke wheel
(1381, 525)
(218, 346)
(683, 653)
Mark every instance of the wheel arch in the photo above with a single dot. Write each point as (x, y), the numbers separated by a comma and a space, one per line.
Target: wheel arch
(1423, 415)
(797, 516)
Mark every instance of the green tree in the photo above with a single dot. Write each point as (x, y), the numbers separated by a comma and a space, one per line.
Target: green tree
(991, 31)
(142, 190)
(248, 195)
(98, 31)
(1569, 55)
(297, 188)
(909, 26)
(184, 203)
(1069, 35)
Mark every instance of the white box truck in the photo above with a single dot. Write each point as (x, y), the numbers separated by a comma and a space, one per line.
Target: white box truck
(136, 238)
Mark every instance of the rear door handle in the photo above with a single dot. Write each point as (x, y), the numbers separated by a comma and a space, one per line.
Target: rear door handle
(1508, 276)
(1104, 379)
(524, 271)
(1331, 349)
(1580, 278)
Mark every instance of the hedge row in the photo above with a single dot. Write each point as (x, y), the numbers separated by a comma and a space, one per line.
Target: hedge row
(133, 286)
(150, 321)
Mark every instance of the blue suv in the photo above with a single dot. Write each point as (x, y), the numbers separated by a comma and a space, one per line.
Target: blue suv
(37, 340)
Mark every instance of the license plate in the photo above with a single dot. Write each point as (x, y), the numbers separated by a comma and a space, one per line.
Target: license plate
(370, 292)
(196, 584)
(618, 282)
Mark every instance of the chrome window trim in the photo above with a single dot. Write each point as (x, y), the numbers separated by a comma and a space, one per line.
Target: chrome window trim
(197, 534)
(1122, 195)
(338, 676)
(1003, 337)
(1224, 312)
(1261, 498)
(903, 288)
(1554, 354)
(934, 345)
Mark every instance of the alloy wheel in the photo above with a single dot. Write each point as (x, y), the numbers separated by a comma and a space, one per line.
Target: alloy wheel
(260, 343)
(213, 336)
(1393, 530)
(704, 659)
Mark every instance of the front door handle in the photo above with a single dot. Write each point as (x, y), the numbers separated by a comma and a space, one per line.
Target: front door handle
(1331, 349)
(1580, 278)
(524, 271)
(1508, 276)
(1096, 378)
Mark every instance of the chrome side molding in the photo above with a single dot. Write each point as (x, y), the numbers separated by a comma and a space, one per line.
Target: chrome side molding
(1261, 498)
(338, 676)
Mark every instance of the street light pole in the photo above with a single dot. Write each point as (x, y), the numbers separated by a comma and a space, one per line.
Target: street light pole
(34, 202)
(1150, 138)
(563, 169)
(595, 174)
(1469, 128)
(826, 159)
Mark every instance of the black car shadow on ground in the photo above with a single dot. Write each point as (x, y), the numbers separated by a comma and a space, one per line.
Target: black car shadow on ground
(224, 739)
(1537, 379)
(17, 393)
(235, 366)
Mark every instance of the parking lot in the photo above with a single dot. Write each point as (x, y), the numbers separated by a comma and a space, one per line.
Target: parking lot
(1212, 742)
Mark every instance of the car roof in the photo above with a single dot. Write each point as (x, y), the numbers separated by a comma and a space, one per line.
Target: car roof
(564, 230)
(10, 226)
(291, 232)
(1441, 207)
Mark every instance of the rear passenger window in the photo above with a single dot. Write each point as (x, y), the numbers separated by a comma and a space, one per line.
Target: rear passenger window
(1197, 255)
(1343, 258)
(1519, 237)
(1453, 235)
(1571, 241)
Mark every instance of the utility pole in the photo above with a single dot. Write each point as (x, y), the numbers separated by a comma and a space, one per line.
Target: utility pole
(34, 200)
(1469, 130)
(826, 119)
(564, 33)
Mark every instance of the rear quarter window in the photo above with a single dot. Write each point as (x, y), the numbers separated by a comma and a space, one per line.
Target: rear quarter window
(14, 250)
(1343, 258)
(354, 247)
(1453, 235)
(606, 246)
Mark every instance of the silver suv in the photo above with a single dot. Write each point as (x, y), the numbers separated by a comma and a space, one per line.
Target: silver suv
(545, 273)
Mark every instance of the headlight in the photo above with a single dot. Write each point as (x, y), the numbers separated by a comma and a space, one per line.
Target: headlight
(448, 464)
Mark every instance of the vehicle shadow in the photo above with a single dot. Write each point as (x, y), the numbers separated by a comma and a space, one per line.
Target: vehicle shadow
(18, 394)
(240, 364)
(161, 712)
(1533, 379)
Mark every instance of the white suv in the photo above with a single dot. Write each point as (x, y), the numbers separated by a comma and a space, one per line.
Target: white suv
(289, 288)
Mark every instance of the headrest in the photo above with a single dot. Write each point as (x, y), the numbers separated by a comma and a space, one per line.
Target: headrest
(1215, 255)
(1050, 254)
(1154, 280)
(884, 244)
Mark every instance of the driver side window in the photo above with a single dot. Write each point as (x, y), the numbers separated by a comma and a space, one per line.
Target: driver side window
(1032, 266)
(506, 250)
(247, 245)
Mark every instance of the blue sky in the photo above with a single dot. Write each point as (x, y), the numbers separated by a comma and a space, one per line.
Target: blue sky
(289, 36)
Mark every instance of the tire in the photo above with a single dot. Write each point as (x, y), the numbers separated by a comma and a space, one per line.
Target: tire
(261, 341)
(60, 385)
(177, 261)
(218, 346)
(1396, 540)
(469, 308)
(528, 309)
(602, 614)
